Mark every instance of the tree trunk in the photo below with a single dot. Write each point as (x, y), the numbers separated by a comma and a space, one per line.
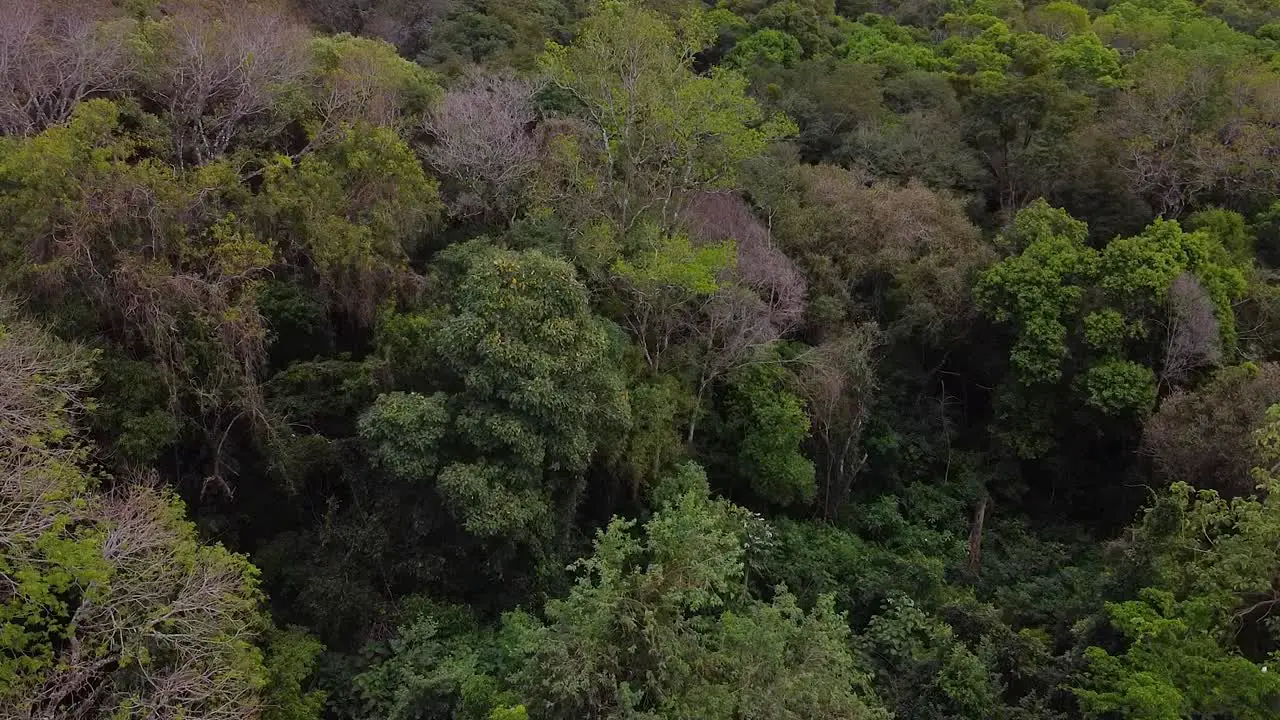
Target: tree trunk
(975, 535)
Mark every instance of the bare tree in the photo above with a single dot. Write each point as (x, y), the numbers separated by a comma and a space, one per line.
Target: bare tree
(220, 71)
(153, 306)
(404, 23)
(1205, 436)
(339, 16)
(160, 634)
(760, 300)
(1194, 124)
(838, 380)
(53, 55)
(760, 266)
(407, 24)
(28, 355)
(1192, 336)
(906, 251)
(482, 139)
(156, 623)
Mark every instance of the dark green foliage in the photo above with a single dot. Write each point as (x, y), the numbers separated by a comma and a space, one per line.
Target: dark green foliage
(647, 359)
(925, 668)
(529, 393)
(861, 574)
(766, 425)
(661, 624)
(1127, 302)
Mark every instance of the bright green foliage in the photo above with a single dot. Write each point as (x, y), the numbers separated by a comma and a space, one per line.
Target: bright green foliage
(1059, 19)
(521, 334)
(1105, 330)
(1056, 287)
(1118, 386)
(978, 43)
(1039, 288)
(1176, 666)
(111, 603)
(674, 266)
(1210, 564)
(765, 47)
(1024, 96)
(389, 409)
(880, 41)
(663, 129)
(813, 22)
(362, 79)
(659, 626)
(114, 238)
(1138, 271)
(1231, 230)
(48, 175)
(356, 207)
(290, 657)
(1083, 62)
(431, 668)
(664, 282)
(1135, 25)
(768, 425)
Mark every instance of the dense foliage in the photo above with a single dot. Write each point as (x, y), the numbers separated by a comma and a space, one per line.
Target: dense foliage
(662, 359)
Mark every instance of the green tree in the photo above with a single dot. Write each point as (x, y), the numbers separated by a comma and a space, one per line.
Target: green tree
(353, 210)
(658, 129)
(357, 80)
(767, 425)
(111, 605)
(1209, 567)
(765, 47)
(147, 256)
(660, 625)
(1105, 322)
(925, 668)
(528, 392)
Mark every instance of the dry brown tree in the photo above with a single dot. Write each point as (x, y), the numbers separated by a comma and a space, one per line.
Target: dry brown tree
(1192, 337)
(482, 139)
(1193, 123)
(164, 311)
(118, 608)
(761, 300)
(838, 381)
(1205, 436)
(55, 53)
(217, 70)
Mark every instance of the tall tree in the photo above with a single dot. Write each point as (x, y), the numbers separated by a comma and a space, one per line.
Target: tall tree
(528, 391)
(109, 604)
(659, 129)
(659, 625)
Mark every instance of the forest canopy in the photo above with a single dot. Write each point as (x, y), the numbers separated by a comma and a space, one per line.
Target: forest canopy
(662, 359)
